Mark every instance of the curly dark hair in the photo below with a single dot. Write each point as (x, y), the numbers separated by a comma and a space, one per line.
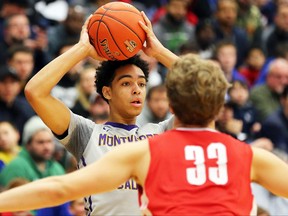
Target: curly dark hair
(105, 73)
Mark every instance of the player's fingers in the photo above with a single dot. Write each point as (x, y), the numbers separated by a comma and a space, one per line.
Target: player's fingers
(147, 21)
(148, 31)
(143, 26)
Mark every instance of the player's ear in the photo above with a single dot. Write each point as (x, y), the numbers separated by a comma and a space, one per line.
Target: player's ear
(106, 92)
(171, 110)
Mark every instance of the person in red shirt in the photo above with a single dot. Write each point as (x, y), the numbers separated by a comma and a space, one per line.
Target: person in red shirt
(190, 169)
(254, 66)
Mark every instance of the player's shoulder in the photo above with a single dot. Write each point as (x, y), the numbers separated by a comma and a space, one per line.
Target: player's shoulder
(157, 128)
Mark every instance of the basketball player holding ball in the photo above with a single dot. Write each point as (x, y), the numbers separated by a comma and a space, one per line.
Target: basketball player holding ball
(123, 85)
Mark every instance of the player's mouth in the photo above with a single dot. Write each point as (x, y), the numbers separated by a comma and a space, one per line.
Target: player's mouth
(137, 103)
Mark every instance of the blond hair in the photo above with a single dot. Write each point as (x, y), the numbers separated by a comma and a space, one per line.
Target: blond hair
(196, 89)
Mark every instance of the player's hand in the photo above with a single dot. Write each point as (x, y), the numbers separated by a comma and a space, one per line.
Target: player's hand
(85, 42)
(153, 46)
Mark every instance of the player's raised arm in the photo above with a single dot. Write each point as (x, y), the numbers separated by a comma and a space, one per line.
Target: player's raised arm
(117, 166)
(154, 48)
(52, 111)
(270, 171)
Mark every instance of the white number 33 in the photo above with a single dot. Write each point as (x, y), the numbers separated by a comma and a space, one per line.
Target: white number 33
(197, 175)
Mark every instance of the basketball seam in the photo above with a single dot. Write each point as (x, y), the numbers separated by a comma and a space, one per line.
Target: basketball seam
(101, 21)
(122, 24)
(115, 41)
(98, 32)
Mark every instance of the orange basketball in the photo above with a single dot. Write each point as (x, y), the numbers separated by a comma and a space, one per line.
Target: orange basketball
(114, 31)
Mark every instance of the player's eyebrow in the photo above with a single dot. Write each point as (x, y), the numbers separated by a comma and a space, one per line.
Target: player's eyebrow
(129, 76)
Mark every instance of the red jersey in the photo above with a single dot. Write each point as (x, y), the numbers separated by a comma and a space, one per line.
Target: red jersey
(199, 172)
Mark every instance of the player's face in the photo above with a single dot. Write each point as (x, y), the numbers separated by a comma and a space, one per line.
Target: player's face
(127, 92)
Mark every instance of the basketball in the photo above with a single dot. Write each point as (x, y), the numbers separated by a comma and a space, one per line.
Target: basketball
(114, 31)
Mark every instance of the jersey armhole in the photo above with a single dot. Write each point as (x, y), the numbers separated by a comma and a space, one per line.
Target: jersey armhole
(61, 136)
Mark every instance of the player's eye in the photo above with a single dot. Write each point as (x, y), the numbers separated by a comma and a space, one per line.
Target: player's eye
(142, 84)
(125, 84)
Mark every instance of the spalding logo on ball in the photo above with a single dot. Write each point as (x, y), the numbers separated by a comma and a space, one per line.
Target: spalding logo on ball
(114, 31)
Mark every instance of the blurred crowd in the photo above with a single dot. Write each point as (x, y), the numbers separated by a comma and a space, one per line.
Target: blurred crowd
(248, 39)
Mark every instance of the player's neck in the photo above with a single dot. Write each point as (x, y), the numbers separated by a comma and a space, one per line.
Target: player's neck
(179, 124)
(121, 119)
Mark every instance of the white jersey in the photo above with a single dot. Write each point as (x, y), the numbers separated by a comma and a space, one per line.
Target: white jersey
(88, 142)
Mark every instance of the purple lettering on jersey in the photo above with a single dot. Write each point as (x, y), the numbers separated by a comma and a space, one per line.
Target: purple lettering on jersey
(109, 140)
(123, 139)
(142, 137)
(134, 185)
(132, 138)
(102, 139)
(117, 140)
(127, 185)
(149, 135)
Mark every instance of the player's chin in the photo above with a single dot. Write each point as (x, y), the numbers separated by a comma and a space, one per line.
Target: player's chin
(135, 111)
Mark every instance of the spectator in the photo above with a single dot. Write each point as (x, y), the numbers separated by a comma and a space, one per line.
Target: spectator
(65, 90)
(21, 58)
(268, 10)
(243, 110)
(279, 34)
(157, 106)
(99, 109)
(9, 142)
(11, 7)
(13, 108)
(76, 207)
(226, 123)
(69, 30)
(162, 11)
(226, 55)
(203, 9)
(188, 47)
(275, 127)
(205, 38)
(173, 29)
(266, 97)
(156, 75)
(65, 158)
(225, 27)
(249, 17)
(17, 31)
(90, 6)
(85, 87)
(254, 67)
(34, 161)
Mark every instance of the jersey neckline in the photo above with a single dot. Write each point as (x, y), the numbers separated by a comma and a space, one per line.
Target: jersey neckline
(120, 125)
